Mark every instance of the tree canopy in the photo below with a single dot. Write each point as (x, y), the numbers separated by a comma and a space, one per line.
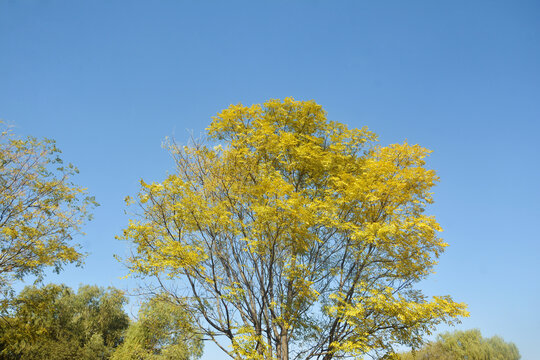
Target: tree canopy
(465, 345)
(294, 237)
(53, 323)
(40, 208)
(163, 331)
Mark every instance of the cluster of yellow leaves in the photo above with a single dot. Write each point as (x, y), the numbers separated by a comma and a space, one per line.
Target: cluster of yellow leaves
(386, 308)
(244, 344)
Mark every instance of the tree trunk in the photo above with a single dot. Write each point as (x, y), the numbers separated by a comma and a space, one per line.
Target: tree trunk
(284, 340)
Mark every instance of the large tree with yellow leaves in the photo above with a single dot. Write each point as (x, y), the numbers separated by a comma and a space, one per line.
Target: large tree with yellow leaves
(294, 237)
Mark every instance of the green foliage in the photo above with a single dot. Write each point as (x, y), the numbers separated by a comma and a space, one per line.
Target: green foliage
(40, 209)
(53, 322)
(164, 331)
(468, 345)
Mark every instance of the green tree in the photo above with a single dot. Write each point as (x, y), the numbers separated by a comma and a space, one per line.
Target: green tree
(295, 236)
(164, 331)
(53, 322)
(40, 209)
(465, 345)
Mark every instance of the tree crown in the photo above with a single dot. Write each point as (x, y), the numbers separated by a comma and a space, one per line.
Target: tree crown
(295, 236)
(41, 210)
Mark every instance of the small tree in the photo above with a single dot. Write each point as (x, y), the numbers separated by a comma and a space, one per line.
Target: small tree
(40, 209)
(465, 345)
(295, 237)
(163, 331)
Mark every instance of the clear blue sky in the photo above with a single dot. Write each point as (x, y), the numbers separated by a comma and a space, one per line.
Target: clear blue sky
(109, 80)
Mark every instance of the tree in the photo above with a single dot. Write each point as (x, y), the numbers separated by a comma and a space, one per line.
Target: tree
(164, 331)
(294, 236)
(40, 209)
(465, 345)
(53, 322)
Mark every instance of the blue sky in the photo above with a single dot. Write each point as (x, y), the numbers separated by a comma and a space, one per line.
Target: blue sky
(109, 80)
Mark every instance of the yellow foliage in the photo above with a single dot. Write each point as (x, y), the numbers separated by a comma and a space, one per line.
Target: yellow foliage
(296, 235)
(40, 209)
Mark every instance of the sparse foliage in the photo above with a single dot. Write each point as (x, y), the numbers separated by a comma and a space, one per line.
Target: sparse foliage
(40, 209)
